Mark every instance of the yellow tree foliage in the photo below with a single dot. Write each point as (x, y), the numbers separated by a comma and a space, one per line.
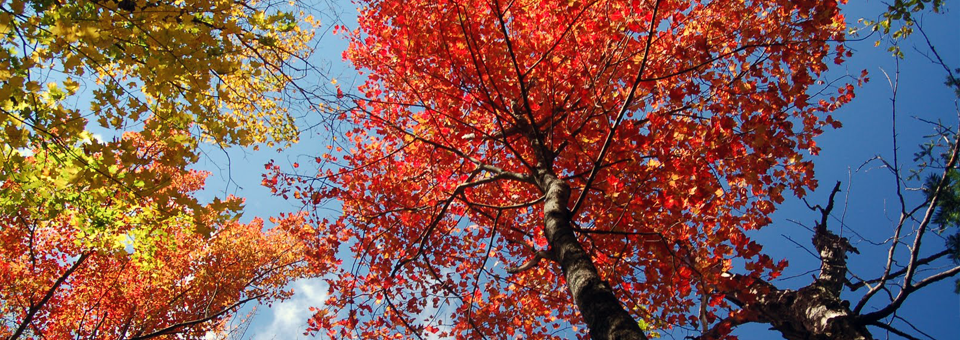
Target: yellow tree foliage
(104, 237)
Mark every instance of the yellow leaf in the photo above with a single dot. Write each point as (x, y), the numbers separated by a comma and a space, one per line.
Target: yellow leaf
(91, 32)
(5, 20)
(71, 85)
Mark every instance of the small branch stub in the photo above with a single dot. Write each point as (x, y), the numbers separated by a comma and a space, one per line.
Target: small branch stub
(539, 255)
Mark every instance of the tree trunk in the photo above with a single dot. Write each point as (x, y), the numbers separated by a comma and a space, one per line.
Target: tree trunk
(602, 312)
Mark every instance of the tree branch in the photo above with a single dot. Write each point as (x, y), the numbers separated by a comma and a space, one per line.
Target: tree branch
(539, 255)
(46, 297)
(832, 250)
(174, 328)
(927, 260)
(908, 286)
(623, 111)
(892, 330)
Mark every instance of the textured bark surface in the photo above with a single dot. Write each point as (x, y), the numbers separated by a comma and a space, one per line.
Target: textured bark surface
(815, 311)
(601, 310)
(811, 312)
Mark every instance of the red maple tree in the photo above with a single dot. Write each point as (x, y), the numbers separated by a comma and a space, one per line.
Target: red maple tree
(630, 144)
(108, 262)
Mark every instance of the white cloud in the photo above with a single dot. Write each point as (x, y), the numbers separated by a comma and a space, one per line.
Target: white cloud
(216, 335)
(289, 318)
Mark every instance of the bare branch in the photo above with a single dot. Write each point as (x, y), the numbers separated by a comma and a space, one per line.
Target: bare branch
(896, 234)
(908, 286)
(936, 277)
(927, 260)
(174, 329)
(893, 330)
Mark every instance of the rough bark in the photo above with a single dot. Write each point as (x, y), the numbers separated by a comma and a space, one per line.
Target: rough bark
(812, 312)
(815, 311)
(601, 310)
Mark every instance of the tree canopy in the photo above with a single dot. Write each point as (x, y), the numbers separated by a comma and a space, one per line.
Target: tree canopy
(505, 169)
(629, 144)
(103, 107)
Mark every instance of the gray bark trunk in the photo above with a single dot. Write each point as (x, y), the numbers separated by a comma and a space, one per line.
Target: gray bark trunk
(602, 312)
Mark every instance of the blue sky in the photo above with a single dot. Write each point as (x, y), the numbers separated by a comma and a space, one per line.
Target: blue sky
(867, 205)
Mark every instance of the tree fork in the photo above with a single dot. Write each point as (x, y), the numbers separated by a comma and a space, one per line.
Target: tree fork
(815, 311)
